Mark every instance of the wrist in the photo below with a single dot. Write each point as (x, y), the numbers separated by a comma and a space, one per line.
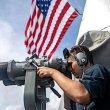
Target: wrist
(54, 73)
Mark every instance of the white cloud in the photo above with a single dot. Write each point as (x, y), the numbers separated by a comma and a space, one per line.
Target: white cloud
(11, 97)
(12, 47)
(11, 43)
(15, 107)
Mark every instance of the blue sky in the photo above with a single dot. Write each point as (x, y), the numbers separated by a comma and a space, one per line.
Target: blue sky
(71, 35)
(13, 17)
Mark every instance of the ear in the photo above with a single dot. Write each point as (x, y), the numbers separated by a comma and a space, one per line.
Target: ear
(81, 59)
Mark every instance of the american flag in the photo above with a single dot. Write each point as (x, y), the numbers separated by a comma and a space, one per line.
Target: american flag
(47, 24)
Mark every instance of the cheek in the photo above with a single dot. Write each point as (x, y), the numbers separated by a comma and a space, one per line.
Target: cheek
(75, 69)
(74, 65)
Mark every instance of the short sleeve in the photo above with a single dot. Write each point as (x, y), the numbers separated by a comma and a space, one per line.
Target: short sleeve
(95, 84)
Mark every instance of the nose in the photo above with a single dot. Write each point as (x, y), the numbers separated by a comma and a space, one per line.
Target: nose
(69, 66)
(69, 59)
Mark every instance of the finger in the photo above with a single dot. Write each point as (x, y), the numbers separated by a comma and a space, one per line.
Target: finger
(38, 71)
(38, 68)
(41, 75)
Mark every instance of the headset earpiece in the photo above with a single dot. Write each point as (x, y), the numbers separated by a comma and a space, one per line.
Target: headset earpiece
(81, 58)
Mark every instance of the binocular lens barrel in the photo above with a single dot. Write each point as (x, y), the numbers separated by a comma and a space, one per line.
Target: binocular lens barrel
(3, 70)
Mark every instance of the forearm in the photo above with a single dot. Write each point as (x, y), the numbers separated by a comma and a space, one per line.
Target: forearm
(73, 89)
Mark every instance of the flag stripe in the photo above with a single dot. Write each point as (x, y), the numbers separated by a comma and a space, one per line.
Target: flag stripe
(56, 26)
(61, 27)
(32, 1)
(47, 25)
(27, 26)
(33, 16)
(74, 14)
(52, 26)
(42, 24)
(37, 24)
(34, 32)
(38, 31)
(29, 41)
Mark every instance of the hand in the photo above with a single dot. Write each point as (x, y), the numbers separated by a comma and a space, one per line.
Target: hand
(45, 71)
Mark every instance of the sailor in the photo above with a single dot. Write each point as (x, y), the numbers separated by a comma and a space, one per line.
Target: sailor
(91, 89)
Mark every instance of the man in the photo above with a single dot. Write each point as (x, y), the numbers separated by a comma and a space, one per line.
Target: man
(91, 91)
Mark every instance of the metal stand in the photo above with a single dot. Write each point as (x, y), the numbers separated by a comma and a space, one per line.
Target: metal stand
(34, 95)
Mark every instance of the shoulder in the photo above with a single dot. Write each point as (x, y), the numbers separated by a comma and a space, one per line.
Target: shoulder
(97, 70)
(100, 68)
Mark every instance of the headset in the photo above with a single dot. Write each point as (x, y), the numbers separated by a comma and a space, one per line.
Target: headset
(80, 57)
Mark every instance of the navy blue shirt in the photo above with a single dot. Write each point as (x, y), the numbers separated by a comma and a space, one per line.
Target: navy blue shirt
(96, 80)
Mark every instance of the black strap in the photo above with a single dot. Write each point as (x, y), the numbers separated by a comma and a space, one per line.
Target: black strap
(72, 105)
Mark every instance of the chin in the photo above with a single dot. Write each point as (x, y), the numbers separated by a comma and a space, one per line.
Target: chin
(76, 75)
